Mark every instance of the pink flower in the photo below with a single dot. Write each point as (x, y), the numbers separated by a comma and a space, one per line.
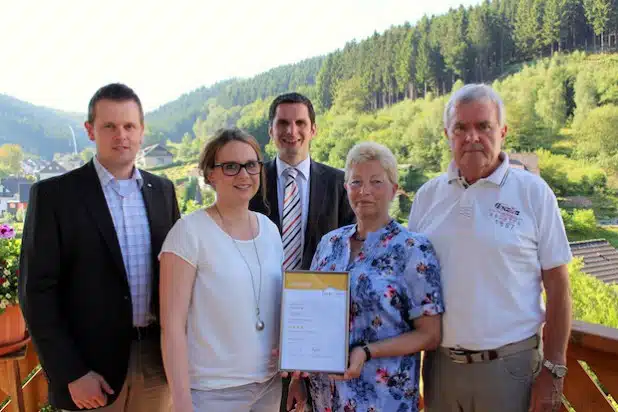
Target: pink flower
(6, 232)
(382, 375)
(390, 292)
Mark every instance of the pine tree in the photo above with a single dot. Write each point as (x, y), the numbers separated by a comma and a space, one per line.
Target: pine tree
(598, 14)
(553, 21)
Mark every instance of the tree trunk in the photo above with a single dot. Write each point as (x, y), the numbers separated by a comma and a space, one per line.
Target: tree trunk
(481, 73)
(502, 53)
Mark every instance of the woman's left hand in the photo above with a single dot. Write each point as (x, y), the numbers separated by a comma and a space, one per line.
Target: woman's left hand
(357, 361)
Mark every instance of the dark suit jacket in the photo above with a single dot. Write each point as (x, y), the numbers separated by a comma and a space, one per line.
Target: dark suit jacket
(73, 286)
(329, 207)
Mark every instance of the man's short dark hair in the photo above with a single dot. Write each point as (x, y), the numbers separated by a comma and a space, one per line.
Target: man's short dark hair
(290, 98)
(117, 92)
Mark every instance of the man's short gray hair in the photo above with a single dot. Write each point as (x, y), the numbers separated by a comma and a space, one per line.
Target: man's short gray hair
(473, 93)
(368, 151)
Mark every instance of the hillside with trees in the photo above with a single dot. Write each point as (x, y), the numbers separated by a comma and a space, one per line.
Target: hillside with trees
(475, 44)
(175, 119)
(39, 130)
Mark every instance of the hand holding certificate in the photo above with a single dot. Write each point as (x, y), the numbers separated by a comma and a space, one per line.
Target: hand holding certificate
(314, 322)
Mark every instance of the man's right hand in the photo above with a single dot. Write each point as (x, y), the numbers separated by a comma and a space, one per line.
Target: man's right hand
(90, 391)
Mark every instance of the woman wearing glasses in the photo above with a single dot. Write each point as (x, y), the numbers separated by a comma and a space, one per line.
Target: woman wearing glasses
(220, 290)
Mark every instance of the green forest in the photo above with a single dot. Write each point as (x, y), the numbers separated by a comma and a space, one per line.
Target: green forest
(476, 44)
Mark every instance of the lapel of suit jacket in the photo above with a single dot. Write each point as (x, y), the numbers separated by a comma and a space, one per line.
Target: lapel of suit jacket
(272, 192)
(315, 201)
(94, 198)
(153, 195)
(155, 209)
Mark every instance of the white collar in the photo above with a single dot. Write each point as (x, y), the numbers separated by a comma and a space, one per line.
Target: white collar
(303, 167)
(497, 177)
(106, 177)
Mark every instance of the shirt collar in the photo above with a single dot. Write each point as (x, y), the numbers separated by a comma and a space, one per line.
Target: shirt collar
(106, 177)
(303, 167)
(386, 230)
(497, 177)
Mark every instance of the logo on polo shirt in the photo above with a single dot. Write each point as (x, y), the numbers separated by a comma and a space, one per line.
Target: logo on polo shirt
(505, 216)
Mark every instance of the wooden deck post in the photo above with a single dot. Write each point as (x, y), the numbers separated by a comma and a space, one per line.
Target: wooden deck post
(11, 380)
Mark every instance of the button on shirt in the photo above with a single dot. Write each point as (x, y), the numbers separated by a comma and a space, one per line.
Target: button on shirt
(302, 180)
(493, 238)
(126, 205)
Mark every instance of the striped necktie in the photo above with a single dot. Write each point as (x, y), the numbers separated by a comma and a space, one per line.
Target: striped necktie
(292, 222)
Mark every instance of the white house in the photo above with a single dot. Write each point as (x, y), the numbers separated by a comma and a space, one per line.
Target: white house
(52, 169)
(154, 155)
(69, 162)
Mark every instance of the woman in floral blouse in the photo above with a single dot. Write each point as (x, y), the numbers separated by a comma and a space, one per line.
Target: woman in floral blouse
(396, 297)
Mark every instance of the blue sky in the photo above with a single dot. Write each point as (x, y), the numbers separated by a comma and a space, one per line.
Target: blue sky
(57, 53)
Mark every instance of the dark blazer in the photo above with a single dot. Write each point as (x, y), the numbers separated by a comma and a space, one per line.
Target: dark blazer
(73, 286)
(329, 207)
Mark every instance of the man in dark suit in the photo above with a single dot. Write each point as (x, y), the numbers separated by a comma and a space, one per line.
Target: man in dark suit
(306, 199)
(89, 268)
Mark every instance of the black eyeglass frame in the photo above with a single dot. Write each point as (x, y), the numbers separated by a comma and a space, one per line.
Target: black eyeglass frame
(240, 167)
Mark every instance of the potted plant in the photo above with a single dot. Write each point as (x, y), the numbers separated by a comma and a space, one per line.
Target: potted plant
(12, 324)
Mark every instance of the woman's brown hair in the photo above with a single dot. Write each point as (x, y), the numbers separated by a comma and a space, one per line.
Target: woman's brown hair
(220, 139)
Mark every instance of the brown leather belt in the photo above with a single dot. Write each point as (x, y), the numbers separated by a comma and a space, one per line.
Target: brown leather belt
(459, 355)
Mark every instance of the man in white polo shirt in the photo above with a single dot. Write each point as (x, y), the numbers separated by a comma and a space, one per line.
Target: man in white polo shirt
(500, 240)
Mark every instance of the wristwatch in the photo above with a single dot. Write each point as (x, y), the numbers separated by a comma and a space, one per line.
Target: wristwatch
(558, 371)
(367, 353)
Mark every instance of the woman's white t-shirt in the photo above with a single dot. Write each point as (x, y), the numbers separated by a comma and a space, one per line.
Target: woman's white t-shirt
(224, 347)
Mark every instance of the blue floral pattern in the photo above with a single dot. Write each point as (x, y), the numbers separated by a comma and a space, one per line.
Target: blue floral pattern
(394, 279)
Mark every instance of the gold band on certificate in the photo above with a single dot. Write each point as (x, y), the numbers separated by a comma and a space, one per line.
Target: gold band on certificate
(314, 322)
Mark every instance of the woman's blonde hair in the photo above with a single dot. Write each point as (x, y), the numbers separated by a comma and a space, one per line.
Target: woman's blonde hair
(220, 139)
(367, 151)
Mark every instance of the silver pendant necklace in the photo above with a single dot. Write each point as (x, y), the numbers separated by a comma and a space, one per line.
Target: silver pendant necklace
(259, 324)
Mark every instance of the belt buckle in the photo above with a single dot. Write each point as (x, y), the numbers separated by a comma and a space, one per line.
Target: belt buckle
(458, 355)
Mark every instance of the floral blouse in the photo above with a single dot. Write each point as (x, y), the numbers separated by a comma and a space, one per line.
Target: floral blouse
(394, 279)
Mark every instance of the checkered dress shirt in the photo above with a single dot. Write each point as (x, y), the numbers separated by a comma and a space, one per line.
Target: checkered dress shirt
(128, 210)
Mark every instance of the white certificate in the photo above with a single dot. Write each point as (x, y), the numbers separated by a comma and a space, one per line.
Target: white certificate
(314, 322)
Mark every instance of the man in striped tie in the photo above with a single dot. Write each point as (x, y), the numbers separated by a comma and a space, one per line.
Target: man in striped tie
(306, 199)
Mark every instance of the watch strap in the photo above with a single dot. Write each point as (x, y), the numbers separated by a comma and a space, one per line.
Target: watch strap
(367, 353)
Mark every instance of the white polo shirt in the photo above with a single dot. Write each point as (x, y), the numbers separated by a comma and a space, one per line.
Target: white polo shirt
(492, 239)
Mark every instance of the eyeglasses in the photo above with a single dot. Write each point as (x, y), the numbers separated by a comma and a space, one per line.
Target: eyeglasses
(253, 167)
(374, 184)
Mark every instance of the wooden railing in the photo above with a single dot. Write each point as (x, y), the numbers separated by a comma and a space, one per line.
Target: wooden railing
(588, 385)
(22, 382)
(587, 388)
